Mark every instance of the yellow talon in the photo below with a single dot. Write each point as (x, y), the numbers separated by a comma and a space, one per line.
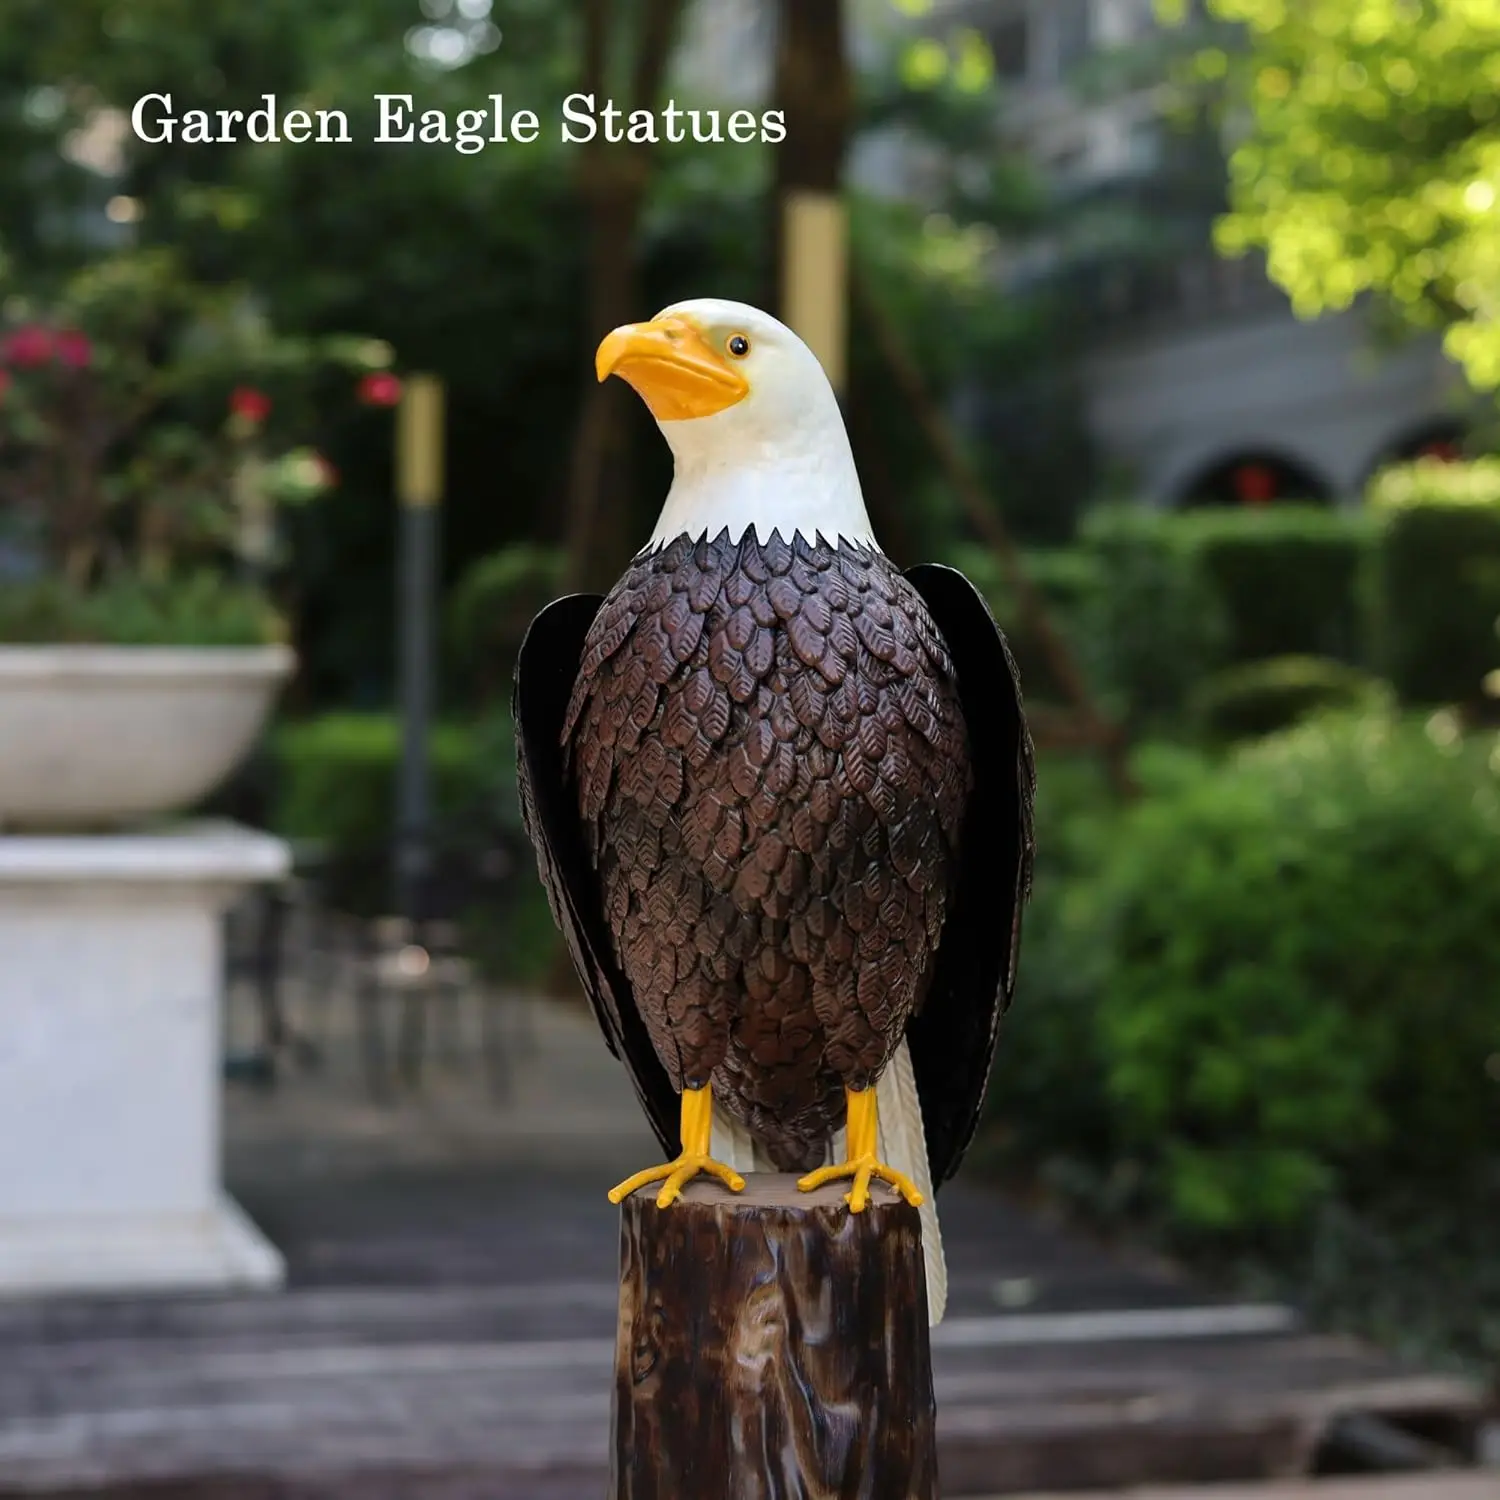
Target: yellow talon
(696, 1130)
(861, 1163)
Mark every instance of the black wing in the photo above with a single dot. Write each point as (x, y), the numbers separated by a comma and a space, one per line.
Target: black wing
(545, 672)
(952, 1038)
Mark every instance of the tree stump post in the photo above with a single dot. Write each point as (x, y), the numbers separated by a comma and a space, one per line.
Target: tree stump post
(772, 1346)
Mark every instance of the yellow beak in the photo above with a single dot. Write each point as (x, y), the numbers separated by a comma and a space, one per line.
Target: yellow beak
(672, 367)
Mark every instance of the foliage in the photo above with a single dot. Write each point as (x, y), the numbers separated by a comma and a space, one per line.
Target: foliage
(194, 609)
(1154, 629)
(1438, 569)
(1416, 1277)
(1047, 1110)
(1183, 594)
(336, 778)
(1372, 159)
(491, 606)
(1288, 577)
(1297, 1006)
(131, 450)
(1260, 697)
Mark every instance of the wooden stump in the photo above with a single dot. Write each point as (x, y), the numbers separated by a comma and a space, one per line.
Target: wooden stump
(772, 1346)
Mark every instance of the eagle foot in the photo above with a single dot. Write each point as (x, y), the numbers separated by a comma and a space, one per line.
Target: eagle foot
(697, 1129)
(861, 1162)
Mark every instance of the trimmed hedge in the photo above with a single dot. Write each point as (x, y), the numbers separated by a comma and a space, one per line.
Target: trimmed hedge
(1438, 572)
(1153, 629)
(1287, 577)
(1262, 697)
(1186, 593)
(335, 779)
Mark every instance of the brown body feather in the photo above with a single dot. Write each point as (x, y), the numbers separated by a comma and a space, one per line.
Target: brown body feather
(771, 767)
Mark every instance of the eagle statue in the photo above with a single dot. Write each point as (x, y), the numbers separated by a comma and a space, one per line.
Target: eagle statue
(780, 793)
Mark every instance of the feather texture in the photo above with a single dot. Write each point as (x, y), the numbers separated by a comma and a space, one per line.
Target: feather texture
(902, 1144)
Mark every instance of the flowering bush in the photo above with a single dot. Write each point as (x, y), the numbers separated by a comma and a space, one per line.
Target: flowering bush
(141, 448)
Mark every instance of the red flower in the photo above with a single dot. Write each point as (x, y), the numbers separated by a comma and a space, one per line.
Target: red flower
(380, 389)
(250, 404)
(73, 349)
(28, 347)
(1254, 484)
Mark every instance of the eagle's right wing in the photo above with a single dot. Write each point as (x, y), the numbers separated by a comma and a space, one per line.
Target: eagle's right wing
(545, 672)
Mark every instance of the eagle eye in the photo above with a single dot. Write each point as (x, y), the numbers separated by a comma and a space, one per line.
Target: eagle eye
(738, 345)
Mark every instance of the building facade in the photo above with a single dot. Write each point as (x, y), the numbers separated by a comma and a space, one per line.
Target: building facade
(1199, 382)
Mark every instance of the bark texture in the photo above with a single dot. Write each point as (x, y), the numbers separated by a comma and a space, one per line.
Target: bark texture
(772, 1346)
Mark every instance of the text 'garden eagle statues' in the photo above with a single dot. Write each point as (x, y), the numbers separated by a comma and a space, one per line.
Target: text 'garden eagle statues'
(781, 794)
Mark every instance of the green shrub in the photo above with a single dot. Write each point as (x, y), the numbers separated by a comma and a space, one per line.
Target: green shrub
(1151, 629)
(199, 609)
(1047, 1110)
(491, 607)
(1438, 577)
(1288, 578)
(1299, 1003)
(335, 778)
(1181, 594)
(1261, 697)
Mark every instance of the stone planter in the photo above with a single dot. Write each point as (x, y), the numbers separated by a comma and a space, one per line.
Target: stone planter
(92, 737)
(110, 1049)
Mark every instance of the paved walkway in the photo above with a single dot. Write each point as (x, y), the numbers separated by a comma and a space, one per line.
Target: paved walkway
(452, 1185)
(1401, 1487)
(448, 1333)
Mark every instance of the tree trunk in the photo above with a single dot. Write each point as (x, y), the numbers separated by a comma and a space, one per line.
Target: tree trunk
(772, 1346)
(613, 177)
(598, 485)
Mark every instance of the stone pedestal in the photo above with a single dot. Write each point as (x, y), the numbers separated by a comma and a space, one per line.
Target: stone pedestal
(111, 979)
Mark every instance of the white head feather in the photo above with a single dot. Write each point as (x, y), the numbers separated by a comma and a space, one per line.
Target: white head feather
(778, 459)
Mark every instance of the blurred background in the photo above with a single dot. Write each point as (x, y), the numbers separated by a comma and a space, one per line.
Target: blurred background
(1174, 325)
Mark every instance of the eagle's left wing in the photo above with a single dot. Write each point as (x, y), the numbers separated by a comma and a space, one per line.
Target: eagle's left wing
(952, 1038)
(545, 671)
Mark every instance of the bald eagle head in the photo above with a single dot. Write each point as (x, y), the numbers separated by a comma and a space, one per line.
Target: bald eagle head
(754, 427)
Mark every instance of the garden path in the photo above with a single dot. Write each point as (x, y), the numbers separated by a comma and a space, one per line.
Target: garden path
(447, 1332)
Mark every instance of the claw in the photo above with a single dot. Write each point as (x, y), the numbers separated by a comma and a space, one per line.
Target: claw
(697, 1128)
(862, 1169)
(678, 1174)
(861, 1164)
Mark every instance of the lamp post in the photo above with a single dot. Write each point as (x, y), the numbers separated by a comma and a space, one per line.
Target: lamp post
(419, 486)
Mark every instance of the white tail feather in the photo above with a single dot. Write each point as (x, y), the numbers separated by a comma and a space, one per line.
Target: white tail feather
(733, 1145)
(900, 1142)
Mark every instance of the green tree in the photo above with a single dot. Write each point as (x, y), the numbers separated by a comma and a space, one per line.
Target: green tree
(1370, 161)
